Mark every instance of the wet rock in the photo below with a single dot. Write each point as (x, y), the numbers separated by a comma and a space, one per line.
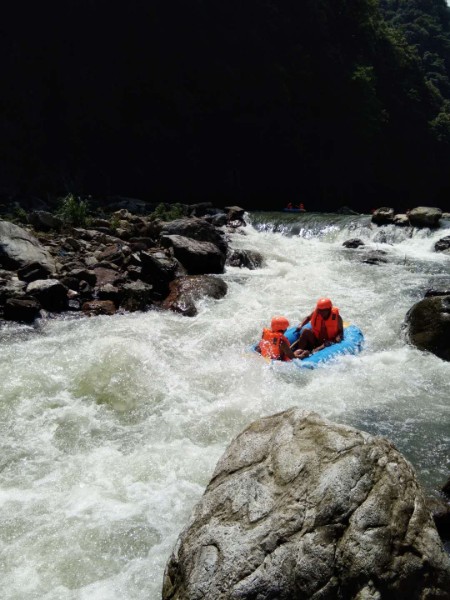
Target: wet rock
(196, 257)
(428, 324)
(186, 291)
(443, 245)
(425, 216)
(19, 248)
(136, 295)
(50, 293)
(375, 257)
(249, 259)
(353, 243)
(21, 309)
(99, 307)
(299, 507)
(383, 216)
(33, 271)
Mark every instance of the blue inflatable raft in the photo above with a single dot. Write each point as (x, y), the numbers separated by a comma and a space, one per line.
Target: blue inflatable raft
(351, 344)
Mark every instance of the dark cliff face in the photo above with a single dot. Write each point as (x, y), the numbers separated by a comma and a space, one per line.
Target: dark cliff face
(255, 103)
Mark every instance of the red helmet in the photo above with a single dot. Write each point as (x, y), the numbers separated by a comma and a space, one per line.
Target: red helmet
(323, 304)
(279, 324)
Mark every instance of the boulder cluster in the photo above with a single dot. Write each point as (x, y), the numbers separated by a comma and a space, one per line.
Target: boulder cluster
(420, 216)
(125, 262)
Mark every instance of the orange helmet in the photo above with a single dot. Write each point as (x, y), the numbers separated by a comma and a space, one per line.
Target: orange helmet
(279, 324)
(323, 304)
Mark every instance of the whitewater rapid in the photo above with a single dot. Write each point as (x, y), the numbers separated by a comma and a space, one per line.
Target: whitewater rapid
(111, 426)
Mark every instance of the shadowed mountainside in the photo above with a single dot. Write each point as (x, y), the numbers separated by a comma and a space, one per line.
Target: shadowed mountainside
(250, 103)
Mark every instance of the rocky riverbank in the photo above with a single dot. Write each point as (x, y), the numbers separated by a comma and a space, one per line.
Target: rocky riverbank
(118, 262)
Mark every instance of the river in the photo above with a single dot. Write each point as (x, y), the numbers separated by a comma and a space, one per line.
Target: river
(111, 426)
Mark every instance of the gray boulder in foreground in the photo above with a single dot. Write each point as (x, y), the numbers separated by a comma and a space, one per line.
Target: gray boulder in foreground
(299, 507)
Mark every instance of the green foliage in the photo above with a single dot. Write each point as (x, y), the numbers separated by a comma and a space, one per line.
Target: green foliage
(20, 215)
(168, 212)
(114, 222)
(441, 124)
(74, 211)
(425, 25)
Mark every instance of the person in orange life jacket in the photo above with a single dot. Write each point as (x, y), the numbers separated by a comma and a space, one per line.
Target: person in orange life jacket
(274, 344)
(327, 327)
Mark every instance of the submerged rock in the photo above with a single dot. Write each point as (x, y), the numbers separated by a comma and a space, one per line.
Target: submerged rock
(353, 243)
(299, 507)
(250, 259)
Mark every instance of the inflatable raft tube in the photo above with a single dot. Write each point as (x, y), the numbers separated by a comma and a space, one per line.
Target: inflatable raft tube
(351, 344)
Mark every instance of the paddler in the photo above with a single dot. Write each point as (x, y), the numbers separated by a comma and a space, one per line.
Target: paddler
(275, 345)
(327, 327)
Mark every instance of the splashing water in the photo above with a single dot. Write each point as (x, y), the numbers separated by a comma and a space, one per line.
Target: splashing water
(112, 426)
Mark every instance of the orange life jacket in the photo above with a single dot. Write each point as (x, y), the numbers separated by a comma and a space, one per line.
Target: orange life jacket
(270, 344)
(331, 324)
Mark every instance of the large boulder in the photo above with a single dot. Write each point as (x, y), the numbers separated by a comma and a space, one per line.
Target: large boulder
(18, 248)
(197, 229)
(186, 291)
(299, 507)
(196, 257)
(429, 325)
(424, 216)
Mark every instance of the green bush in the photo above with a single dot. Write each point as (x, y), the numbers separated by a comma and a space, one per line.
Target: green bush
(74, 211)
(168, 212)
(114, 222)
(20, 215)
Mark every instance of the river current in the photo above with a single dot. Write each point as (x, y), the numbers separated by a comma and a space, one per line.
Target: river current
(111, 426)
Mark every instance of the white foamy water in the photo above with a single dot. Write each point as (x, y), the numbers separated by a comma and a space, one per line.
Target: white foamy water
(111, 426)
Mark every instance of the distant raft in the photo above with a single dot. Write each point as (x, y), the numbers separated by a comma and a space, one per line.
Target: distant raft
(351, 344)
